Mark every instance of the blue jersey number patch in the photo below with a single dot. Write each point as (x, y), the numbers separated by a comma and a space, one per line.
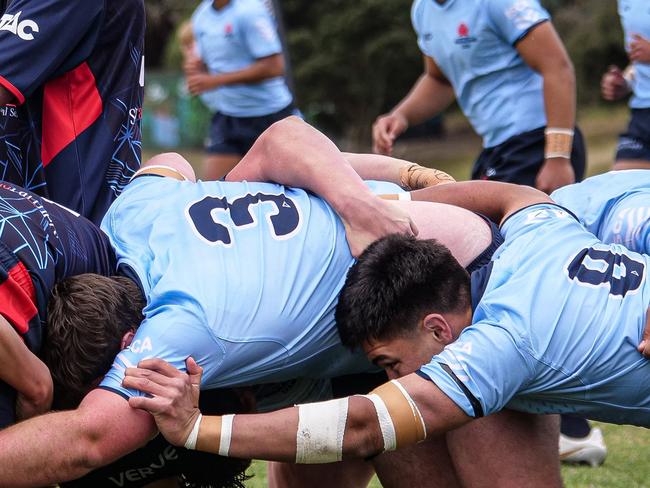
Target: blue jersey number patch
(283, 217)
(604, 267)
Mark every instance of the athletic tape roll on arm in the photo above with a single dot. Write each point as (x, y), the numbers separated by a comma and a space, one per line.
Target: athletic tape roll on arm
(559, 143)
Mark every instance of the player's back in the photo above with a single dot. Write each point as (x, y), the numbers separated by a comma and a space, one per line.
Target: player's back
(614, 206)
(258, 264)
(42, 243)
(576, 308)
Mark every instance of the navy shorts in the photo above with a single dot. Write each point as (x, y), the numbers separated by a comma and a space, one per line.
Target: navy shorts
(519, 159)
(635, 143)
(236, 135)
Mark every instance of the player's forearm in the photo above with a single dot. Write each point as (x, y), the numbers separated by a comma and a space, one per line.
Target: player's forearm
(428, 97)
(260, 70)
(494, 199)
(376, 166)
(560, 95)
(293, 153)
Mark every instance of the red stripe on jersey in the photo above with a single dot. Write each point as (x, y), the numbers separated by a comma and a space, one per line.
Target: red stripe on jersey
(13, 90)
(71, 103)
(18, 298)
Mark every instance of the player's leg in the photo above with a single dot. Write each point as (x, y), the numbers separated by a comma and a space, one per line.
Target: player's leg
(509, 450)
(633, 151)
(216, 166)
(346, 474)
(427, 464)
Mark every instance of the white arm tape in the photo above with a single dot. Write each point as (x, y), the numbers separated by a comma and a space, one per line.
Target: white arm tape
(414, 407)
(190, 442)
(406, 196)
(226, 435)
(320, 431)
(158, 166)
(385, 422)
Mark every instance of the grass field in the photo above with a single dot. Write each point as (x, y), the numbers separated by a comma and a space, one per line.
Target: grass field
(629, 447)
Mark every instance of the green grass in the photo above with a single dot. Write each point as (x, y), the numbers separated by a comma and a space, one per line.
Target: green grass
(629, 447)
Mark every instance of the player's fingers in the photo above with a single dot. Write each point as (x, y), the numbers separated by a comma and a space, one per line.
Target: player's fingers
(145, 385)
(194, 370)
(151, 375)
(153, 405)
(160, 366)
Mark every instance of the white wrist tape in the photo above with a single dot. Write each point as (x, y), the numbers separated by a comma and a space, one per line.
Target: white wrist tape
(226, 435)
(320, 431)
(190, 442)
(162, 170)
(406, 196)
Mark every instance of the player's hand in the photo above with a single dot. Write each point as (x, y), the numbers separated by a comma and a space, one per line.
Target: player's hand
(193, 64)
(613, 85)
(639, 49)
(555, 173)
(373, 219)
(385, 130)
(174, 401)
(198, 83)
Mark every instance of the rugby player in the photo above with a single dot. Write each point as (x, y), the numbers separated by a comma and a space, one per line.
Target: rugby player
(249, 318)
(75, 68)
(41, 244)
(551, 325)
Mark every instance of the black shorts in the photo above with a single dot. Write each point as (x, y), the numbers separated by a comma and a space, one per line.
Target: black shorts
(635, 143)
(519, 159)
(236, 135)
(486, 256)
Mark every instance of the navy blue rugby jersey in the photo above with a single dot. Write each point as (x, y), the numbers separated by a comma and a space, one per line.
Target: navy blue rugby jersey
(42, 243)
(78, 67)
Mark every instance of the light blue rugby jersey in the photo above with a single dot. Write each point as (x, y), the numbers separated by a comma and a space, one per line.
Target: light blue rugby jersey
(556, 328)
(473, 43)
(244, 277)
(231, 39)
(635, 18)
(614, 206)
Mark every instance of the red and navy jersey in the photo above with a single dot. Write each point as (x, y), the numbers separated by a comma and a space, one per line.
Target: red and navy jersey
(42, 243)
(78, 67)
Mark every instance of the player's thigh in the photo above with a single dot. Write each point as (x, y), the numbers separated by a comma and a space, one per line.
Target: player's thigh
(427, 464)
(347, 474)
(216, 166)
(509, 450)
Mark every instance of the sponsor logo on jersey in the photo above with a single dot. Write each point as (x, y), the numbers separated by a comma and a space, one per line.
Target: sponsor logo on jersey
(139, 346)
(146, 472)
(228, 30)
(9, 111)
(464, 39)
(25, 29)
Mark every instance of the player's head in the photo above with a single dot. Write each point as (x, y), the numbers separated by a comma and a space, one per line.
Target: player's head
(89, 319)
(403, 301)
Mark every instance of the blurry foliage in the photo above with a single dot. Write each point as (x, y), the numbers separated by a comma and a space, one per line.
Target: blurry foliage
(353, 60)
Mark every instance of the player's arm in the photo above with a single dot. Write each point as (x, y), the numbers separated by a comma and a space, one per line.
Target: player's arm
(66, 445)
(293, 153)
(494, 199)
(199, 81)
(430, 95)
(24, 372)
(544, 52)
(409, 409)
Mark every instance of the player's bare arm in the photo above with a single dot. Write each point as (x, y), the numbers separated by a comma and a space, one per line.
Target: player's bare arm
(544, 52)
(66, 445)
(169, 165)
(262, 69)
(430, 95)
(293, 153)
(491, 198)
(24, 372)
(410, 410)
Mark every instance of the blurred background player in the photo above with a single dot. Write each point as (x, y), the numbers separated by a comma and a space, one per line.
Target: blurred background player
(633, 149)
(505, 64)
(77, 67)
(241, 60)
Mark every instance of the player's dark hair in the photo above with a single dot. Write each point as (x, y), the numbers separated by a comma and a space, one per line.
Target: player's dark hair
(87, 317)
(396, 282)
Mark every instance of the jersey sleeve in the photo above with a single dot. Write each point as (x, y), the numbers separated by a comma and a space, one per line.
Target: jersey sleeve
(416, 21)
(513, 19)
(260, 34)
(42, 40)
(172, 334)
(481, 371)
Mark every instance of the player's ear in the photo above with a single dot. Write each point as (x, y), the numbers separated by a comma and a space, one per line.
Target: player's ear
(437, 325)
(127, 338)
